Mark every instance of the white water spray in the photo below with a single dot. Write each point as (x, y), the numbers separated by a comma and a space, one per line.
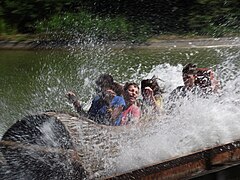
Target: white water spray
(197, 123)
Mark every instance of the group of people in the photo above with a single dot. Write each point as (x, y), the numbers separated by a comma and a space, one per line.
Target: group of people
(119, 105)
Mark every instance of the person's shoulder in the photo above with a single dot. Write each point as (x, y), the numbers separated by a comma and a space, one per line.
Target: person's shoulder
(118, 97)
(118, 100)
(132, 107)
(96, 98)
(158, 96)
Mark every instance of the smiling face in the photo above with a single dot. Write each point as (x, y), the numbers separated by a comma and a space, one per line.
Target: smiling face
(131, 94)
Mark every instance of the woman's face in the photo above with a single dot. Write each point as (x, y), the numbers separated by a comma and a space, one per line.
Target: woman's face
(132, 94)
(147, 92)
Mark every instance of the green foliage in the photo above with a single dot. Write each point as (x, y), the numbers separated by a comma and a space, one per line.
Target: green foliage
(2, 26)
(23, 14)
(83, 24)
(121, 20)
(215, 18)
(6, 29)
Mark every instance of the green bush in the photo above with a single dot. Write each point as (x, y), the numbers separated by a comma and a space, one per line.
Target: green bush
(214, 18)
(83, 24)
(6, 29)
(2, 26)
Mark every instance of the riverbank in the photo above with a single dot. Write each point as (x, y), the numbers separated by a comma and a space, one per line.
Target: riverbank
(150, 44)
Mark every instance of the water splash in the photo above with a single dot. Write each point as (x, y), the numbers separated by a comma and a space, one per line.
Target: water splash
(199, 123)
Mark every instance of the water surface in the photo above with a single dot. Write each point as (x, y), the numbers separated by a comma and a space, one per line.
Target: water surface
(36, 81)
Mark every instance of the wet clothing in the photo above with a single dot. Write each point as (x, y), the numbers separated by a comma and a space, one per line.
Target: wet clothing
(149, 106)
(159, 101)
(183, 91)
(180, 93)
(128, 115)
(99, 109)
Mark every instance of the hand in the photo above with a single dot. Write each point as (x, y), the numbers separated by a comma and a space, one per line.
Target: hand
(110, 92)
(148, 91)
(109, 95)
(76, 104)
(71, 97)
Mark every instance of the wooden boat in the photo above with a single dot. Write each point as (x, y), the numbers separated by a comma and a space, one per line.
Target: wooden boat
(66, 146)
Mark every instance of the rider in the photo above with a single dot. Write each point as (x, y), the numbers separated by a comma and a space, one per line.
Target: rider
(107, 105)
(131, 113)
(152, 95)
(188, 75)
(197, 81)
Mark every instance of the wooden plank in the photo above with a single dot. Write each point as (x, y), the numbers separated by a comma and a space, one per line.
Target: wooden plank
(83, 133)
(209, 160)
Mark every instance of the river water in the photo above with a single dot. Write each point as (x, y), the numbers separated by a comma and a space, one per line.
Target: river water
(36, 81)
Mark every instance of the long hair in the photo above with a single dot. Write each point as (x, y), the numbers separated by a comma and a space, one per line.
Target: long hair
(117, 88)
(189, 69)
(153, 84)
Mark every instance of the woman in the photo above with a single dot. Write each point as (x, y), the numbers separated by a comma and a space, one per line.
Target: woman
(131, 113)
(152, 96)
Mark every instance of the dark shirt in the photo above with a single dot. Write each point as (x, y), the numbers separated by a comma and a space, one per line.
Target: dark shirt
(96, 111)
(182, 92)
(99, 109)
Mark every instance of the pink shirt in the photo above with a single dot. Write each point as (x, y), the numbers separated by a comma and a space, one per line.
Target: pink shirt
(132, 112)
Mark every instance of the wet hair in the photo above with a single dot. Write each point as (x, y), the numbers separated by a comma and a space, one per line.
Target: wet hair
(189, 69)
(153, 84)
(127, 84)
(104, 80)
(117, 88)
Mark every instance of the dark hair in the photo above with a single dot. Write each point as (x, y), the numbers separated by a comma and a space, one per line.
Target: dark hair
(189, 69)
(104, 80)
(153, 84)
(127, 84)
(117, 88)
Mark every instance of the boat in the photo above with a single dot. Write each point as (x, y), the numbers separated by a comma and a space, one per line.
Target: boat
(65, 145)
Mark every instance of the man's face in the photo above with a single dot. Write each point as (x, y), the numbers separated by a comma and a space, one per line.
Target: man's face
(188, 80)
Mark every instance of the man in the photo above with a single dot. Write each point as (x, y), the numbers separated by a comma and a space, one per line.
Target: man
(107, 105)
(188, 75)
(198, 82)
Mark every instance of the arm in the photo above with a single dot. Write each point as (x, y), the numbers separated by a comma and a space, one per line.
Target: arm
(117, 105)
(115, 113)
(76, 103)
(156, 100)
